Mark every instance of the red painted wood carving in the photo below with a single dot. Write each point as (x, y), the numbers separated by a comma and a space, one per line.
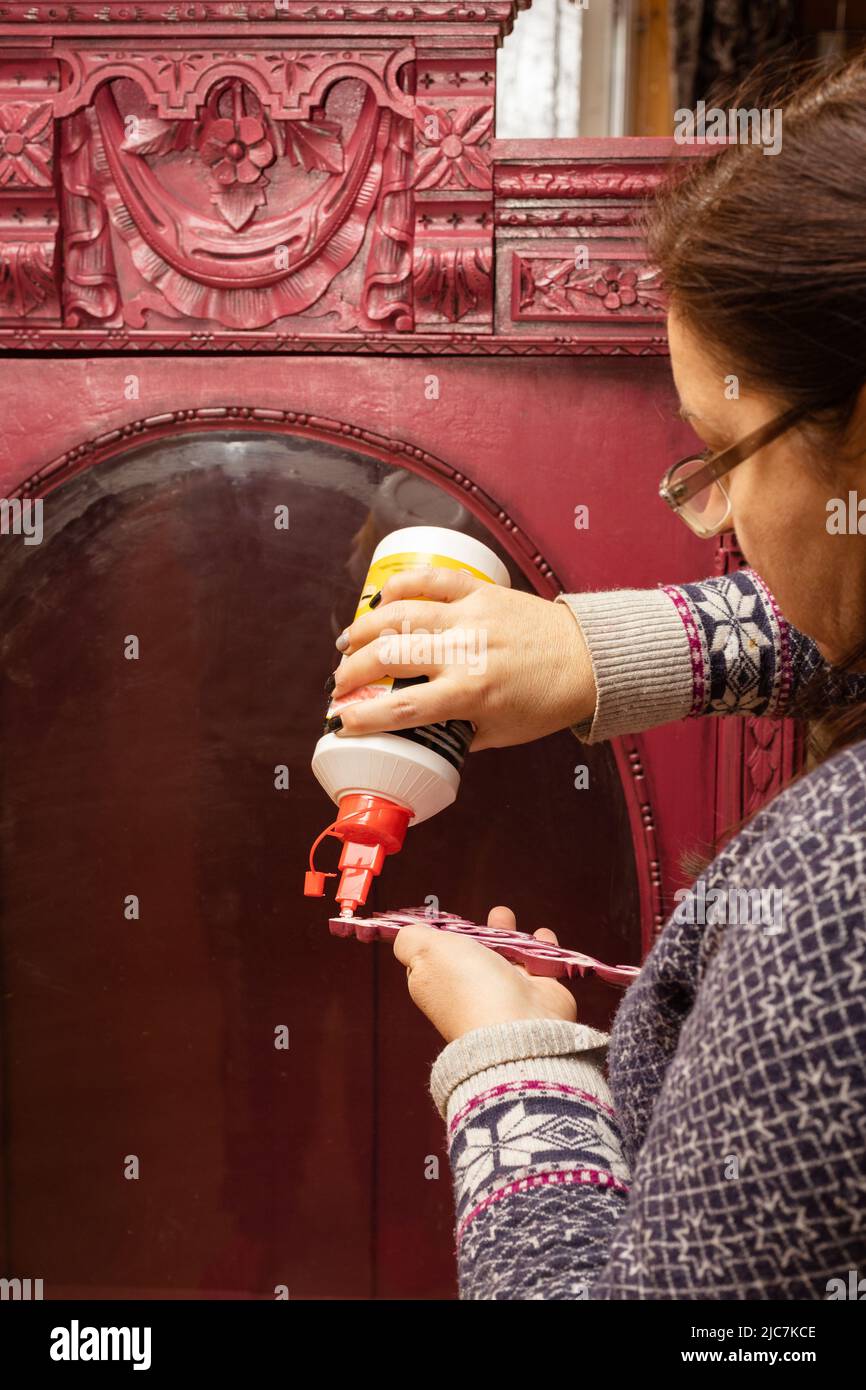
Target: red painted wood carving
(290, 175)
(557, 287)
(538, 957)
(28, 204)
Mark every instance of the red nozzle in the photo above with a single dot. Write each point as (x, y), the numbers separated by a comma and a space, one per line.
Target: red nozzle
(360, 865)
(370, 827)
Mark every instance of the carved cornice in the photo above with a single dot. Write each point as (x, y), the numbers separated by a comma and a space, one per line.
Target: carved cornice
(305, 191)
(288, 80)
(224, 14)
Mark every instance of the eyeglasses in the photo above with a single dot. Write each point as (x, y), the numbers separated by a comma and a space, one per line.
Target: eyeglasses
(693, 489)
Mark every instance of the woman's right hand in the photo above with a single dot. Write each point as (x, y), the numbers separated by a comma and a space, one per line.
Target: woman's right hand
(524, 670)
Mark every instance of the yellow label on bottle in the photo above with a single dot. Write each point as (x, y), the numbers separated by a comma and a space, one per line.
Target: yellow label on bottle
(451, 738)
(389, 565)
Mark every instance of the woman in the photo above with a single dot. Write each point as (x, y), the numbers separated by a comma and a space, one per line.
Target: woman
(725, 1154)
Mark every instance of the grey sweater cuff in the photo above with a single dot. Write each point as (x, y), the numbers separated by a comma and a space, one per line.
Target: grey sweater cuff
(640, 656)
(535, 1049)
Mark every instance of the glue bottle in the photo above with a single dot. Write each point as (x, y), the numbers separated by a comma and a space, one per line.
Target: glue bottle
(383, 783)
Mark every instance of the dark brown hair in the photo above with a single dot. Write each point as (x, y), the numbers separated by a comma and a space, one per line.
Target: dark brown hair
(764, 257)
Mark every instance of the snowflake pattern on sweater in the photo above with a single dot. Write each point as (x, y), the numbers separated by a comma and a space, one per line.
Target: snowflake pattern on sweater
(733, 1162)
(746, 659)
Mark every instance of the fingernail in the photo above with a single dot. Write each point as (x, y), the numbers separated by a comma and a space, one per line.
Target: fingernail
(375, 600)
(334, 724)
(330, 683)
(342, 641)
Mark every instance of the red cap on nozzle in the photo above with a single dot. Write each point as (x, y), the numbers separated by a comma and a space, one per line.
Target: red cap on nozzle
(370, 827)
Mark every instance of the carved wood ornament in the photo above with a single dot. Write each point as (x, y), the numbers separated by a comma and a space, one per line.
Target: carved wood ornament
(285, 176)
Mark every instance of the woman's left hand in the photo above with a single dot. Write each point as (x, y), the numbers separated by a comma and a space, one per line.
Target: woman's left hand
(460, 984)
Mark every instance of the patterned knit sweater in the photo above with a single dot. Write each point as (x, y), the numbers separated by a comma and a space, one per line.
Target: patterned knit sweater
(723, 1156)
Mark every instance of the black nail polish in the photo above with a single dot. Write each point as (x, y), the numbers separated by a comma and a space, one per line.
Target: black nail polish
(375, 600)
(334, 724)
(330, 683)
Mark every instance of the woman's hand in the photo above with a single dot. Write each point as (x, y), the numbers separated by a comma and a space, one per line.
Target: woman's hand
(513, 664)
(460, 984)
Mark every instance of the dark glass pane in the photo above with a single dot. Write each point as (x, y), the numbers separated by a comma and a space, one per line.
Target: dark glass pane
(152, 1038)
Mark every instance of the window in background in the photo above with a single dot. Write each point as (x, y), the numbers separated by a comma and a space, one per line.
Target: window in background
(567, 70)
(538, 72)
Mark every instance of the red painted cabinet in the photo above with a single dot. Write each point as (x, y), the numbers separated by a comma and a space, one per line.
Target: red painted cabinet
(290, 267)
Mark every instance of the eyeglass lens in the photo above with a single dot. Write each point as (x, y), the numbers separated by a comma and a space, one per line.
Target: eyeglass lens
(709, 506)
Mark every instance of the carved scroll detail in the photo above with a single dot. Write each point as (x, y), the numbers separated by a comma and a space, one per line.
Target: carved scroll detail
(89, 281)
(388, 277)
(27, 284)
(455, 281)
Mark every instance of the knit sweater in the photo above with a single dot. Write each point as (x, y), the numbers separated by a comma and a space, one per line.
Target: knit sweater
(723, 1153)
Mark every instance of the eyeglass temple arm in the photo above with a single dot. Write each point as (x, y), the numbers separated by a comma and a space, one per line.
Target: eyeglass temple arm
(717, 467)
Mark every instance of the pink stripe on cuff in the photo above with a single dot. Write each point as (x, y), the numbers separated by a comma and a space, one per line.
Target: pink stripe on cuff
(580, 1177)
(514, 1087)
(696, 651)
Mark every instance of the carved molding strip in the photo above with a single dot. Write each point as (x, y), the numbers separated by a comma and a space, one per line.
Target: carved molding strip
(388, 449)
(618, 216)
(627, 751)
(17, 340)
(755, 757)
(590, 180)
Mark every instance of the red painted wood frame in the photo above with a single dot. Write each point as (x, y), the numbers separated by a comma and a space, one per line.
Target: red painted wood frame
(295, 218)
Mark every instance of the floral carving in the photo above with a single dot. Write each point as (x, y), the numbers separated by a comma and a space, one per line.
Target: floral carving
(616, 287)
(236, 149)
(453, 153)
(235, 146)
(25, 145)
(219, 264)
(238, 141)
(558, 288)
